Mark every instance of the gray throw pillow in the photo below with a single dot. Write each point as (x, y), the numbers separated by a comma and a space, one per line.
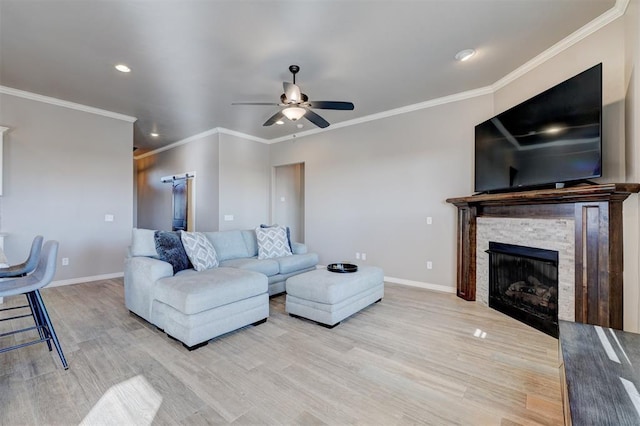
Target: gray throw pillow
(272, 242)
(288, 233)
(170, 249)
(199, 250)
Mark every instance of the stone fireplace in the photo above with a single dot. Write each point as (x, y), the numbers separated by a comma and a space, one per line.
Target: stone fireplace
(555, 235)
(523, 283)
(582, 223)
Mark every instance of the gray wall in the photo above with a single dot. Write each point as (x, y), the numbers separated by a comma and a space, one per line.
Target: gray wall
(370, 188)
(632, 139)
(232, 178)
(288, 199)
(63, 171)
(244, 182)
(154, 209)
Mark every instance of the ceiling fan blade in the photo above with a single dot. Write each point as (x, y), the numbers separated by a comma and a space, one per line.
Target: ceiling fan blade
(316, 119)
(292, 92)
(275, 117)
(254, 103)
(345, 106)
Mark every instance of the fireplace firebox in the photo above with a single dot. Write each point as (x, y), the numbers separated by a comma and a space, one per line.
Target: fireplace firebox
(523, 283)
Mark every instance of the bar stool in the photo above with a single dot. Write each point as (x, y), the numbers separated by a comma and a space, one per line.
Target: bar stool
(30, 286)
(28, 265)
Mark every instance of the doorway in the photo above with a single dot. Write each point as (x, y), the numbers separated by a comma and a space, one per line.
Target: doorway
(287, 200)
(183, 201)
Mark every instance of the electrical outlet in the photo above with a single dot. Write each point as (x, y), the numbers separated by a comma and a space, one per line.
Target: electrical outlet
(429, 265)
(429, 220)
(65, 261)
(228, 218)
(364, 256)
(357, 256)
(108, 218)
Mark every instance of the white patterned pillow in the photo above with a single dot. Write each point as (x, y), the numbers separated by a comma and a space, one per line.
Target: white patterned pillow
(272, 242)
(199, 250)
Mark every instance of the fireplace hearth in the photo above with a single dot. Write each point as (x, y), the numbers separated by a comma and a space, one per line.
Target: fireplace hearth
(523, 283)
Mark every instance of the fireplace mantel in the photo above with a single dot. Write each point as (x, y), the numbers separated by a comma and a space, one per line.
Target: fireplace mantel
(597, 213)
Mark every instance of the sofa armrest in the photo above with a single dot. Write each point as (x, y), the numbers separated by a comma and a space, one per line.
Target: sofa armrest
(298, 248)
(140, 275)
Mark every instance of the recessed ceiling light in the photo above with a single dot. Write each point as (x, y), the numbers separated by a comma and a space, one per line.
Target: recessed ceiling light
(280, 122)
(155, 135)
(123, 68)
(464, 55)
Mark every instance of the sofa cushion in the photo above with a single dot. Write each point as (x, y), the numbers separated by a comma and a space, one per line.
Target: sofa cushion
(143, 242)
(228, 244)
(250, 241)
(170, 249)
(272, 242)
(191, 292)
(199, 250)
(297, 262)
(268, 267)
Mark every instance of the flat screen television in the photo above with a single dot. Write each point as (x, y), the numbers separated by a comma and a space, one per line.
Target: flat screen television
(554, 137)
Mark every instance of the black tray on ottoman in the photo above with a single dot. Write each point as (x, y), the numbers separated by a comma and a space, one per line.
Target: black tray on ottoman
(342, 267)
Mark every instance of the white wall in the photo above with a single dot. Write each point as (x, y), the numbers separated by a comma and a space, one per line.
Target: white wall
(63, 171)
(370, 188)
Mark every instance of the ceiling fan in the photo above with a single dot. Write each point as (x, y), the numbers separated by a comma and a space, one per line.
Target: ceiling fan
(297, 105)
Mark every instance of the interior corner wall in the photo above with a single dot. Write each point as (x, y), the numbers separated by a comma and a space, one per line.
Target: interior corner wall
(632, 142)
(245, 180)
(64, 170)
(154, 203)
(370, 187)
(611, 46)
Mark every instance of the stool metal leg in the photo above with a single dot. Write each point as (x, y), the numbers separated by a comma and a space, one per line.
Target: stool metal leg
(49, 328)
(37, 318)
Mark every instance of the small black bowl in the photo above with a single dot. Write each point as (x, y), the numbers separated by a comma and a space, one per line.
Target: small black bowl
(342, 267)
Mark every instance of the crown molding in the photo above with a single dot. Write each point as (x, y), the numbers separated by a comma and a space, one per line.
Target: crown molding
(204, 134)
(66, 104)
(230, 132)
(580, 34)
(214, 131)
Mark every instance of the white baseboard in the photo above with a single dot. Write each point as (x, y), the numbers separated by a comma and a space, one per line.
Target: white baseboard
(428, 286)
(401, 281)
(86, 279)
(420, 284)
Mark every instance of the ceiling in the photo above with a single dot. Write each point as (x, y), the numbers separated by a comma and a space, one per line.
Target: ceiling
(191, 59)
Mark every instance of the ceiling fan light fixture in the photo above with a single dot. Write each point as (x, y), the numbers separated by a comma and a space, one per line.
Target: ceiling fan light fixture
(465, 55)
(294, 113)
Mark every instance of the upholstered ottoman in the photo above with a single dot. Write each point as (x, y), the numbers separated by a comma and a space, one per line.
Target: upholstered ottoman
(329, 297)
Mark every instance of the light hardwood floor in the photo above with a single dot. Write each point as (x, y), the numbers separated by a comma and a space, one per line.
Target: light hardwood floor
(410, 359)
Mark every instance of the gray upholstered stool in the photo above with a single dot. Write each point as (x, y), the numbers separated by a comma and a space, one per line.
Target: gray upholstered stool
(329, 297)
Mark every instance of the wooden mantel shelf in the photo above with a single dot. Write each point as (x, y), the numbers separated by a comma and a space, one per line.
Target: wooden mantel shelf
(597, 213)
(574, 194)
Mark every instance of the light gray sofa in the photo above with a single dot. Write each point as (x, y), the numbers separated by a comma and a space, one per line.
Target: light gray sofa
(194, 307)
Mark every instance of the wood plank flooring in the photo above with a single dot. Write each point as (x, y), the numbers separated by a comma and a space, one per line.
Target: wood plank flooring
(410, 359)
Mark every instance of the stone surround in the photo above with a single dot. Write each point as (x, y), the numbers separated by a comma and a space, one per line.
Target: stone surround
(549, 234)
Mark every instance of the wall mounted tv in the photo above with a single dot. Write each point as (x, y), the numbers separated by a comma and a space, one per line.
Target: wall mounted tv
(554, 137)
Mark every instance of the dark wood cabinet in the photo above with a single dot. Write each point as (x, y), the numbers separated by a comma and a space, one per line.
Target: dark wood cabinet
(597, 214)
